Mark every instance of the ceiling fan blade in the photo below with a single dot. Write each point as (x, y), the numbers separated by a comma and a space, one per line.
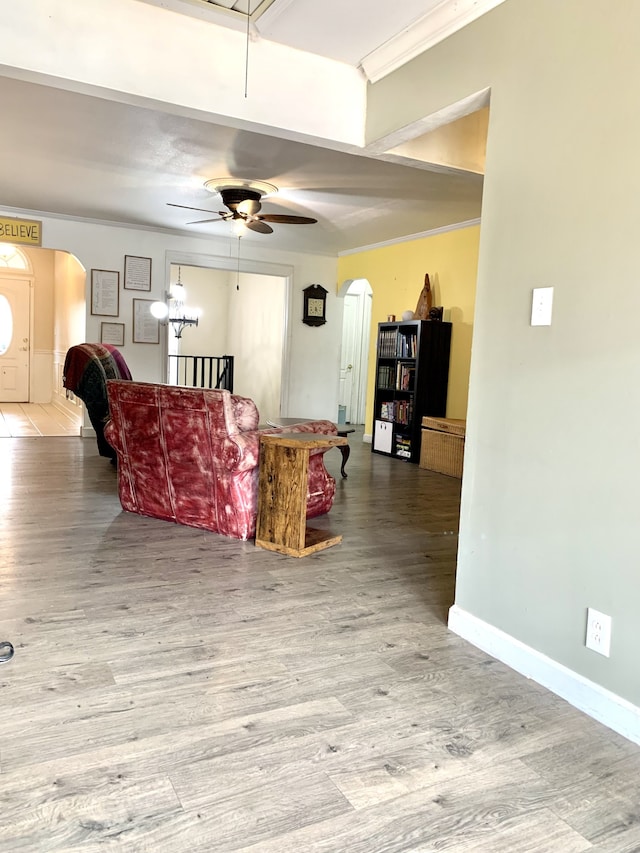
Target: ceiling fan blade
(186, 207)
(257, 225)
(201, 221)
(283, 218)
(249, 207)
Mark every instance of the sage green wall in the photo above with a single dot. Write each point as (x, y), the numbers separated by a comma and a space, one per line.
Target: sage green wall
(551, 486)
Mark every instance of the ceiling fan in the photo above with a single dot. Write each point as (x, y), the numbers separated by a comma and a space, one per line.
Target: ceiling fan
(244, 205)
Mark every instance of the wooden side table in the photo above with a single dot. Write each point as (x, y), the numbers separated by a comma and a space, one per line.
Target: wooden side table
(343, 430)
(282, 494)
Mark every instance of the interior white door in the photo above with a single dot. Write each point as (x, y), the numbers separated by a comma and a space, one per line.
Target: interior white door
(359, 390)
(15, 296)
(349, 353)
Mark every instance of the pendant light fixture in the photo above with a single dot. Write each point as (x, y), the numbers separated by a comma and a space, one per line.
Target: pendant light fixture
(176, 311)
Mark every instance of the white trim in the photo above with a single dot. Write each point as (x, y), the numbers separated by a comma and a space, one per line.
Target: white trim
(106, 223)
(442, 21)
(604, 706)
(87, 432)
(271, 14)
(219, 15)
(367, 438)
(157, 229)
(224, 262)
(419, 236)
(74, 416)
(247, 265)
(427, 124)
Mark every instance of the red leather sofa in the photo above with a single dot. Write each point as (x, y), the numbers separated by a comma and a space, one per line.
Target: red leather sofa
(190, 455)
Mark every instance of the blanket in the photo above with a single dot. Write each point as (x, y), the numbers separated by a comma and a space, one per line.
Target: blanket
(88, 366)
(86, 370)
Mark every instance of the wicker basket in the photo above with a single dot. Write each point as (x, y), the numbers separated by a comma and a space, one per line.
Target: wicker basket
(455, 426)
(442, 449)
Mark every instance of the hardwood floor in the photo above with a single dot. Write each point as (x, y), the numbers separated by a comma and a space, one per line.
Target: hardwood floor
(173, 690)
(36, 419)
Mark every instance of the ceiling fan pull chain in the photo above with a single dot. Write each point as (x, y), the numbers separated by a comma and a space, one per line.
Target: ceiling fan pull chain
(246, 61)
(238, 272)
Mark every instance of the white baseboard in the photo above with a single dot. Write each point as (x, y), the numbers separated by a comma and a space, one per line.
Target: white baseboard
(87, 432)
(613, 711)
(72, 412)
(367, 438)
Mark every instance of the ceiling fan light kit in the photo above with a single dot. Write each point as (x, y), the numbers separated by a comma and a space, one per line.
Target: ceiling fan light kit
(242, 198)
(216, 185)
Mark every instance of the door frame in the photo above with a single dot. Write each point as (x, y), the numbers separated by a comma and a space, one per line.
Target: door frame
(242, 265)
(365, 349)
(27, 277)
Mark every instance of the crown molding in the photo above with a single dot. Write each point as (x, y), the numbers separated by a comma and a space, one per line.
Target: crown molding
(274, 11)
(410, 237)
(445, 19)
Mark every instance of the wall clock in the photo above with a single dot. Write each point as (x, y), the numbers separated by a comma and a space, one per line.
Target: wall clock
(315, 305)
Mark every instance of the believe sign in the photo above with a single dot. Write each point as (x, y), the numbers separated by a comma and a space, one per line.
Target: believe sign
(27, 231)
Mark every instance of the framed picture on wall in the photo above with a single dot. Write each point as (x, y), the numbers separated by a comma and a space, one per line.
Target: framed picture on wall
(137, 273)
(146, 329)
(105, 296)
(112, 333)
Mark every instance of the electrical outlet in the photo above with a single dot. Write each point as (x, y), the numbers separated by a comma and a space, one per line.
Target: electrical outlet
(598, 632)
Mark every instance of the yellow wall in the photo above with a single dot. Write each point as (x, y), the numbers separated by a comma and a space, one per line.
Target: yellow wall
(461, 144)
(396, 275)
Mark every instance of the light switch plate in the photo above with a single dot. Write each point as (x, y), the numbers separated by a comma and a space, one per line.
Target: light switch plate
(541, 306)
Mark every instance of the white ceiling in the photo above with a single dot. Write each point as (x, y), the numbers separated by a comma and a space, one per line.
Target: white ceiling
(82, 156)
(375, 35)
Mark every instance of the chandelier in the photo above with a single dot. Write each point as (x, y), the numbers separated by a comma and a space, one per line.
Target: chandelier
(176, 311)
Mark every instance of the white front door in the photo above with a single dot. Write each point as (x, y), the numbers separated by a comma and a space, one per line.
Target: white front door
(15, 296)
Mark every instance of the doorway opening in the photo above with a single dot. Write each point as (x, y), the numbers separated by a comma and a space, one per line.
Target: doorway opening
(15, 324)
(242, 313)
(48, 285)
(354, 356)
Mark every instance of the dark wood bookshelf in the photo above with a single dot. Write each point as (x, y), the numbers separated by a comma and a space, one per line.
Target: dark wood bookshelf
(411, 381)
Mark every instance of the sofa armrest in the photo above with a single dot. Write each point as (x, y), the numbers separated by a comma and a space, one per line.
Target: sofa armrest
(111, 434)
(320, 426)
(241, 452)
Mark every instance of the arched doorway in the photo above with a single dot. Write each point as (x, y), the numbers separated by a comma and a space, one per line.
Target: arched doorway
(354, 358)
(42, 314)
(15, 324)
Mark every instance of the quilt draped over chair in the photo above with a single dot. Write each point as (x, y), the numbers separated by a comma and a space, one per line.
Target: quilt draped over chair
(86, 370)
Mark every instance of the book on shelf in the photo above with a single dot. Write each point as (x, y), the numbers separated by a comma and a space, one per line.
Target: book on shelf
(398, 411)
(405, 374)
(407, 345)
(385, 376)
(403, 447)
(387, 343)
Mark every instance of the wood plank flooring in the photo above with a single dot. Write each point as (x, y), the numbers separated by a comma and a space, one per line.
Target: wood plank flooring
(173, 690)
(36, 419)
